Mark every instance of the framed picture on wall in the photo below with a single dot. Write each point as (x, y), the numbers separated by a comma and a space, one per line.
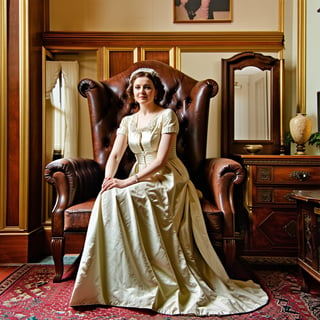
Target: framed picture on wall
(202, 10)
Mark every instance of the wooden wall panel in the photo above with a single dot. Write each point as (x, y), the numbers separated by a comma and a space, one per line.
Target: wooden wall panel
(12, 214)
(36, 23)
(165, 55)
(22, 235)
(13, 248)
(157, 55)
(119, 60)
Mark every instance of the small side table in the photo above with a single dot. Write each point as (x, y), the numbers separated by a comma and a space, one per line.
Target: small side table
(308, 233)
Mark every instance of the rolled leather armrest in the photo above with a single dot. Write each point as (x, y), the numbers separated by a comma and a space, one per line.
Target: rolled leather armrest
(98, 94)
(201, 91)
(222, 175)
(89, 84)
(75, 180)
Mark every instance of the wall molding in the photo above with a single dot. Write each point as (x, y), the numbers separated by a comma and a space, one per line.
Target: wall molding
(187, 41)
(301, 52)
(24, 106)
(3, 114)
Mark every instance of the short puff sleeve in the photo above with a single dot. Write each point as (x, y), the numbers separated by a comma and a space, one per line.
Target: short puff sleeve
(170, 123)
(123, 127)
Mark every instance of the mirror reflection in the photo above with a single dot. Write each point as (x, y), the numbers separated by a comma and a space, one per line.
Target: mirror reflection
(252, 104)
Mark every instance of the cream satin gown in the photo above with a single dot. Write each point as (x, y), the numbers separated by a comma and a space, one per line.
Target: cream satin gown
(147, 244)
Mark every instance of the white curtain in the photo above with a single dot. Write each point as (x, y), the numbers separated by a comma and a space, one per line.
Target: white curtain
(65, 102)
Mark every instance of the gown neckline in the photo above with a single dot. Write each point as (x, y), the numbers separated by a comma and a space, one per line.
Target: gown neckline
(155, 117)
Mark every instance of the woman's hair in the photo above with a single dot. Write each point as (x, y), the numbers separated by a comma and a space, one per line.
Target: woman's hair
(150, 74)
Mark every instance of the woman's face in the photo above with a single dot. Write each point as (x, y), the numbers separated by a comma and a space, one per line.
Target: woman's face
(144, 91)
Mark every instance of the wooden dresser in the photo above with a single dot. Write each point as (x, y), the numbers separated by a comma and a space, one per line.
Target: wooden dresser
(270, 212)
(308, 202)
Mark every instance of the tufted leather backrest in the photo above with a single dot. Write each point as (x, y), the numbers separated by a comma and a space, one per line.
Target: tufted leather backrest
(189, 98)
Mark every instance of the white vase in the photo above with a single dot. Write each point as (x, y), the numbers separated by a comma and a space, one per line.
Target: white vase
(300, 130)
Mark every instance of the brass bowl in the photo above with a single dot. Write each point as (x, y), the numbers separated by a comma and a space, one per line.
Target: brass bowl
(253, 148)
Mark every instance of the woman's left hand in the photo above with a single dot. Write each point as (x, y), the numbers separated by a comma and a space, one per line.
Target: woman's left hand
(109, 183)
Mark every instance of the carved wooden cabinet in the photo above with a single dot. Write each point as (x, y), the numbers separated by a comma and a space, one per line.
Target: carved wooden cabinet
(308, 202)
(271, 216)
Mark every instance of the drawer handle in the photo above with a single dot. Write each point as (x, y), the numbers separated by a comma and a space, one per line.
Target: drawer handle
(300, 175)
(288, 197)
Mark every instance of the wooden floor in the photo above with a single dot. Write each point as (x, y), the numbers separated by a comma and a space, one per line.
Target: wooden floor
(6, 268)
(5, 271)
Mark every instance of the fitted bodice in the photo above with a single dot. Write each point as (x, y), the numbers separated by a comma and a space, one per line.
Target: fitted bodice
(144, 142)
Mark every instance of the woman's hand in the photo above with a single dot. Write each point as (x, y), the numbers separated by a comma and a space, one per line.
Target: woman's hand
(109, 183)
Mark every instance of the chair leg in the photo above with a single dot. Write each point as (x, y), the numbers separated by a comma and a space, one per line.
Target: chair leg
(229, 250)
(57, 248)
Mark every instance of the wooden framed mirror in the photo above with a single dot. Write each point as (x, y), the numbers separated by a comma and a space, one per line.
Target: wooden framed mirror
(250, 103)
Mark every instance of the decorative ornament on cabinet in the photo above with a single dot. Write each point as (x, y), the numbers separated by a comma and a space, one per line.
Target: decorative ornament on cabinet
(300, 129)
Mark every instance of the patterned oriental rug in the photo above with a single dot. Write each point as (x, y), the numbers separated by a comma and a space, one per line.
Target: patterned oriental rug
(30, 294)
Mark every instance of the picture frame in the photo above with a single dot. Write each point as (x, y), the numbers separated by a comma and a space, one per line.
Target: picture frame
(191, 11)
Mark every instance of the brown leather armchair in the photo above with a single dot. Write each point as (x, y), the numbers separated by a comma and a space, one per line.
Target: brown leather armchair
(78, 181)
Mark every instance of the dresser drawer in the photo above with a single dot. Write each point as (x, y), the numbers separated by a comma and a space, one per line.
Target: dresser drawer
(273, 196)
(275, 231)
(287, 175)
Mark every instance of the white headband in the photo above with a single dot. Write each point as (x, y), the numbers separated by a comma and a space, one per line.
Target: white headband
(147, 70)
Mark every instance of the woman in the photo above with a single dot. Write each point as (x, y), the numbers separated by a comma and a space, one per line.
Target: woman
(147, 245)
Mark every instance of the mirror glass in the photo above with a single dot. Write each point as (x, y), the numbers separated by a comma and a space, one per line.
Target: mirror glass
(252, 104)
(251, 108)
